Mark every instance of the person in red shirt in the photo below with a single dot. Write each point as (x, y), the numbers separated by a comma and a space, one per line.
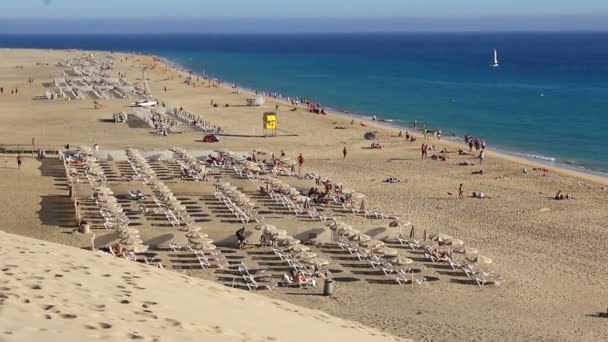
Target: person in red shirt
(300, 163)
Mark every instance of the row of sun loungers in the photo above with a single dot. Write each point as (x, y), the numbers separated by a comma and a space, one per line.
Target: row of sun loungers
(191, 167)
(194, 121)
(241, 206)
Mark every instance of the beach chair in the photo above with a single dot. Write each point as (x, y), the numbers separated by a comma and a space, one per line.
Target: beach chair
(387, 268)
(254, 284)
(403, 278)
(485, 279)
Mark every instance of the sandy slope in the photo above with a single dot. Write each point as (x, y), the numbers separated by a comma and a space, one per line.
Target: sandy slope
(49, 292)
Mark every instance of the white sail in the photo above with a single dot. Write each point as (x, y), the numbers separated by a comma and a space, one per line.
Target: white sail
(495, 64)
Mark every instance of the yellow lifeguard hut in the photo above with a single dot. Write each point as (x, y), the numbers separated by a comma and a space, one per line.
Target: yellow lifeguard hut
(270, 123)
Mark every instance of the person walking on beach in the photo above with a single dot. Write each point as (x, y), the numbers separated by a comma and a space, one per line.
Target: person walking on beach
(422, 151)
(344, 152)
(481, 156)
(19, 161)
(483, 144)
(460, 192)
(300, 163)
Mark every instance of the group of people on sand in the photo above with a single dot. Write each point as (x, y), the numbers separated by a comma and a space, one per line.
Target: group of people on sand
(436, 134)
(14, 91)
(561, 196)
(408, 136)
(476, 143)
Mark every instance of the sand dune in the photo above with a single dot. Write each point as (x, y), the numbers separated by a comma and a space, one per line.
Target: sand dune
(50, 292)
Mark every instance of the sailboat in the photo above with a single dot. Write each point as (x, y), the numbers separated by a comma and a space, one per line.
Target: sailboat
(147, 101)
(495, 64)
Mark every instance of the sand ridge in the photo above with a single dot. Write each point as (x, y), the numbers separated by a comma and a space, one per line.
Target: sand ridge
(52, 292)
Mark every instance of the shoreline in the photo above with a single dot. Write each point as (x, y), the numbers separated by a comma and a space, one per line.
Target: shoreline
(556, 166)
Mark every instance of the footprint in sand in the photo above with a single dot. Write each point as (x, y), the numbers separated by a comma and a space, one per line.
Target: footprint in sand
(135, 336)
(47, 307)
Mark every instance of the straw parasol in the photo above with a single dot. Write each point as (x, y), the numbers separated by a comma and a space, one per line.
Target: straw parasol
(131, 240)
(358, 195)
(136, 248)
(373, 244)
(291, 241)
(440, 237)
(204, 246)
(196, 241)
(351, 234)
(401, 260)
(197, 235)
(466, 250)
(387, 251)
(317, 262)
(265, 226)
(305, 255)
(454, 242)
(280, 234)
(298, 248)
(480, 259)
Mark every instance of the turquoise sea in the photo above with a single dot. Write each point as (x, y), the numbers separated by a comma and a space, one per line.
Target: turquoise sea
(547, 100)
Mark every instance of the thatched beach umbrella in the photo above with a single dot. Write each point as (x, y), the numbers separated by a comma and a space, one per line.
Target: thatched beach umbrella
(266, 227)
(469, 251)
(136, 248)
(441, 238)
(480, 259)
(358, 195)
(387, 251)
(373, 244)
(196, 241)
(291, 241)
(401, 260)
(319, 262)
(454, 242)
(298, 248)
(204, 246)
(305, 255)
(197, 235)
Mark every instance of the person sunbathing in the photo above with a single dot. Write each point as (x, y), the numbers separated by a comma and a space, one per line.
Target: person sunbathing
(562, 196)
(480, 172)
(376, 145)
(392, 180)
(480, 195)
(438, 253)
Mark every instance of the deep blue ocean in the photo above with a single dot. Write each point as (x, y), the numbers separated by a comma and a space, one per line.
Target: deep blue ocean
(548, 98)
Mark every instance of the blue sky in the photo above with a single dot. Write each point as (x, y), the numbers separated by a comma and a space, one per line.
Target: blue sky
(297, 8)
(18, 16)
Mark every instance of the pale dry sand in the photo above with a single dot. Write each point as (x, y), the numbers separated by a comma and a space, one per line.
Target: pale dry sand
(551, 252)
(50, 292)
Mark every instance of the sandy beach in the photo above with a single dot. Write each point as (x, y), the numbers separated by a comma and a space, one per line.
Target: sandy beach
(549, 252)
